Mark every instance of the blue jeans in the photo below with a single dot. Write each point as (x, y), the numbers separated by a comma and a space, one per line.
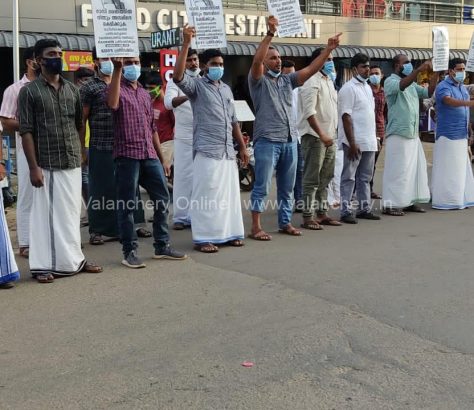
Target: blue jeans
(282, 156)
(149, 173)
(298, 190)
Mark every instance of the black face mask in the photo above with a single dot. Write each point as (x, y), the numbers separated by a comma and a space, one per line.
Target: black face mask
(53, 65)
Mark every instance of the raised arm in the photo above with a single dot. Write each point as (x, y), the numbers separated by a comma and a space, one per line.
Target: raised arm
(304, 74)
(113, 93)
(188, 33)
(409, 79)
(257, 68)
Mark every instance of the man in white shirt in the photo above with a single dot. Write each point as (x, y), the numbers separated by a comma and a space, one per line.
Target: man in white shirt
(357, 135)
(183, 145)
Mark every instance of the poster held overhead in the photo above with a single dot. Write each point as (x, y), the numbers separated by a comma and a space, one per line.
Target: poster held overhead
(470, 58)
(440, 49)
(115, 28)
(290, 18)
(207, 17)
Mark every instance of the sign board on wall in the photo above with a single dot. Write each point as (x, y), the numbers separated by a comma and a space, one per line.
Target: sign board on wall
(72, 60)
(166, 38)
(167, 63)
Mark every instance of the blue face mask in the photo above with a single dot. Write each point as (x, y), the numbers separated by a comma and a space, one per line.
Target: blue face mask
(215, 73)
(332, 75)
(329, 67)
(132, 72)
(375, 79)
(274, 74)
(460, 76)
(106, 67)
(407, 69)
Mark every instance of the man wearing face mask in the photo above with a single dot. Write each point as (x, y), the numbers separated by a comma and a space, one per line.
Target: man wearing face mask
(357, 137)
(405, 177)
(375, 80)
(50, 114)
(8, 116)
(215, 209)
(138, 161)
(177, 101)
(275, 129)
(452, 178)
(317, 127)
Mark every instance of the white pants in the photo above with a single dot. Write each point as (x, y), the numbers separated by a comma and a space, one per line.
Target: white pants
(25, 197)
(183, 180)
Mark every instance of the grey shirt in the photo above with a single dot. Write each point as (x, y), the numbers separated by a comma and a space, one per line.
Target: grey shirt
(273, 101)
(213, 116)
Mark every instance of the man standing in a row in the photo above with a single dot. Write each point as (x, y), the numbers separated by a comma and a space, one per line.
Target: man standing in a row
(50, 114)
(9, 117)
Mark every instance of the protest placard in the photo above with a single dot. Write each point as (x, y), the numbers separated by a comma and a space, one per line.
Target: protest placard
(470, 58)
(290, 18)
(115, 28)
(440, 48)
(207, 17)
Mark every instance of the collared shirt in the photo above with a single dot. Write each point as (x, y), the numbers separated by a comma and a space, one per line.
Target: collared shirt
(318, 97)
(134, 124)
(100, 115)
(403, 107)
(355, 98)
(272, 100)
(451, 122)
(379, 98)
(164, 120)
(213, 116)
(184, 113)
(9, 107)
(54, 118)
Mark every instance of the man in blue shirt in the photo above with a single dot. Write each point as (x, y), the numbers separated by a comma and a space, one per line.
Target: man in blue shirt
(452, 178)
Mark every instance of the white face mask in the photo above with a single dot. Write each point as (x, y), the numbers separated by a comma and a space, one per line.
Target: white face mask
(192, 73)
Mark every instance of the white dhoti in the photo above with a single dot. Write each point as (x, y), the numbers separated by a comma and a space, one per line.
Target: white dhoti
(215, 207)
(55, 236)
(334, 188)
(452, 180)
(182, 180)
(405, 176)
(25, 197)
(8, 268)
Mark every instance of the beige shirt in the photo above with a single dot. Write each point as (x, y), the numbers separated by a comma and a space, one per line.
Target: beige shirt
(318, 97)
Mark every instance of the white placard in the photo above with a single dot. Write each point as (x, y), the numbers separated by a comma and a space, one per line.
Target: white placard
(243, 111)
(207, 17)
(470, 58)
(290, 18)
(440, 48)
(115, 28)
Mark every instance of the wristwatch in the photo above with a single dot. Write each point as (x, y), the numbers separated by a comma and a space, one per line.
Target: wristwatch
(269, 33)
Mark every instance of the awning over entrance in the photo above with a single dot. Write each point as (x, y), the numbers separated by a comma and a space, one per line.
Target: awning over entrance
(86, 43)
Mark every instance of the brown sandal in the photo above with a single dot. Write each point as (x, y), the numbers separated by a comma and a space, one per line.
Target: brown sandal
(92, 268)
(329, 221)
(290, 230)
(312, 225)
(206, 247)
(236, 243)
(44, 278)
(25, 252)
(260, 236)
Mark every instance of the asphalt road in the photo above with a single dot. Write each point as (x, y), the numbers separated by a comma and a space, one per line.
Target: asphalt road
(373, 316)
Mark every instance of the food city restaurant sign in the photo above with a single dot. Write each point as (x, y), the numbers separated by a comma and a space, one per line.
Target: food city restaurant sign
(153, 18)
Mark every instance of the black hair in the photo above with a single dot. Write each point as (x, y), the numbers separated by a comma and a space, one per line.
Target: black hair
(211, 53)
(374, 66)
(191, 52)
(455, 61)
(43, 44)
(396, 59)
(359, 58)
(28, 54)
(287, 64)
(84, 72)
(94, 53)
(316, 53)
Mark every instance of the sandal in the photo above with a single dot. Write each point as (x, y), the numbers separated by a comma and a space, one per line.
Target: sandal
(206, 248)
(44, 278)
(393, 212)
(261, 235)
(143, 233)
(96, 239)
(328, 221)
(290, 230)
(236, 243)
(414, 208)
(178, 226)
(25, 252)
(374, 195)
(312, 225)
(91, 268)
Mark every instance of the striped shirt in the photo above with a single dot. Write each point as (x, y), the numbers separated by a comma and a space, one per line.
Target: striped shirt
(214, 114)
(134, 123)
(100, 115)
(54, 118)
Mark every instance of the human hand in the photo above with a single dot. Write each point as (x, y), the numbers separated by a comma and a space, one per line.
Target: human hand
(426, 66)
(117, 62)
(333, 42)
(327, 141)
(244, 156)
(354, 152)
(272, 24)
(36, 177)
(188, 33)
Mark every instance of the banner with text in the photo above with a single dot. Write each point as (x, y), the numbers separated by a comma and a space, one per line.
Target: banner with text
(115, 28)
(440, 48)
(470, 58)
(290, 18)
(167, 63)
(207, 17)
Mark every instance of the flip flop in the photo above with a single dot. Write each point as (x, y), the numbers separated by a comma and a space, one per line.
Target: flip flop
(92, 268)
(236, 243)
(144, 233)
(290, 230)
(329, 222)
(206, 248)
(260, 236)
(44, 278)
(414, 208)
(393, 212)
(312, 225)
(96, 239)
(25, 252)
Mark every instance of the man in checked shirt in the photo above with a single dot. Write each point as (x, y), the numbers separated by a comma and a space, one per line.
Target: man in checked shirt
(138, 160)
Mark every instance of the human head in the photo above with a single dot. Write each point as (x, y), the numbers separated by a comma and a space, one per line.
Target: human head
(375, 75)
(457, 69)
(192, 60)
(360, 65)
(131, 68)
(103, 66)
(213, 59)
(29, 61)
(272, 60)
(288, 67)
(82, 75)
(48, 55)
(153, 84)
(402, 65)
